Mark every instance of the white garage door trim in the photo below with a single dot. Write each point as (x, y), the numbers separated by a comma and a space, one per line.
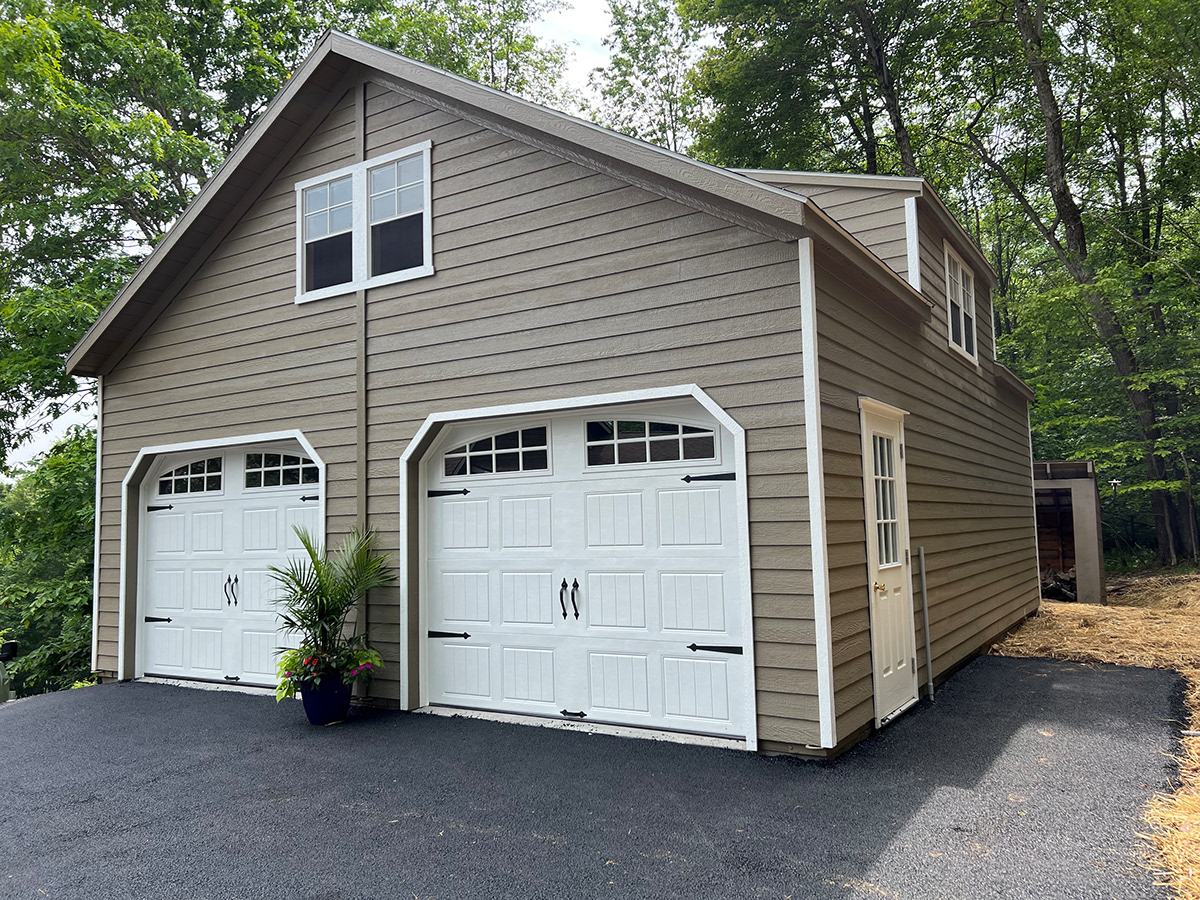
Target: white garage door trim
(132, 485)
(410, 529)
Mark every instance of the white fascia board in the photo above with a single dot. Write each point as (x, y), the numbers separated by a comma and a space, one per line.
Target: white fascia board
(675, 392)
(822, 613)
(182, 447)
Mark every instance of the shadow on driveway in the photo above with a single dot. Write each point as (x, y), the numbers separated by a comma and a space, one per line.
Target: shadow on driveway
(1025, 779)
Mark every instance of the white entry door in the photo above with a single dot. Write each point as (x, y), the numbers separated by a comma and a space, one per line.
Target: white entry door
(587, 567)
(893, 638)
(214, 525)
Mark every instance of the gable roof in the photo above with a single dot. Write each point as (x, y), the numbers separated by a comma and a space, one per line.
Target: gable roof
(335, 65)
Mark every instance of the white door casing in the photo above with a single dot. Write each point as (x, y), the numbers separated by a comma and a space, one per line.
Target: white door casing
(889, 568)
(205, 591)
(652, 565)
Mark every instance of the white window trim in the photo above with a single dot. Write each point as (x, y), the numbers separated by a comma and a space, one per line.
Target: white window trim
(168, 466)
(362, 279)
(445, 443)
(948, 252)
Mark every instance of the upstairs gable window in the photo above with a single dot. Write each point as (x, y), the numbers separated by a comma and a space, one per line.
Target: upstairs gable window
(960, 305)
(365, 225)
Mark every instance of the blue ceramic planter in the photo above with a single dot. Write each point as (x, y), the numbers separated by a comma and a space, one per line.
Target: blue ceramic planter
(328, 702)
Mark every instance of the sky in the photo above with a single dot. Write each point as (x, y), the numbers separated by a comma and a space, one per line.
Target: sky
(581, 28)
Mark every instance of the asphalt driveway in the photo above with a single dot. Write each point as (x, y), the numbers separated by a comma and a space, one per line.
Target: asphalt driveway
(1025, 779)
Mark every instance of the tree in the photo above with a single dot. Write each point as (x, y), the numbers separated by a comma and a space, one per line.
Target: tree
(113, 113)
(1082, 114)
(823, 84)
(46, 550)
(643, 90)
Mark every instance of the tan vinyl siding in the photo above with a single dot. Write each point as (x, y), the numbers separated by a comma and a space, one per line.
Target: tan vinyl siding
(554, 281)
(874, 215)
(969, 488)
(234, 355)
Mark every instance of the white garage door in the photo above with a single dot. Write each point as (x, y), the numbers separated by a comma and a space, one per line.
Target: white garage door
(215, 523)
(587, 567)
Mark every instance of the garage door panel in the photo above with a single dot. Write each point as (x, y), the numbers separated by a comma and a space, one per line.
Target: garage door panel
(170, 588)
(615, 519)
(167, 646)
(466, 670)
(258, 591)
(168, 533)
(526, 522)
(528, 674)
(258, 656)
(465, 525)
(690, 518)
(208, 650)
(307, 518)
(208, 532)
(528, 598)
(616, 599)
(696, 689)
(260, 530)
(206, 590)
(692, 601)
(619, 682)
(466, 597)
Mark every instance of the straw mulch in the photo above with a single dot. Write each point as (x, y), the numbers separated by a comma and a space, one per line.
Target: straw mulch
(1160, 631)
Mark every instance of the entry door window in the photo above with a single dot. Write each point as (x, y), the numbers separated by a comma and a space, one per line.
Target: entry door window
(887, 522)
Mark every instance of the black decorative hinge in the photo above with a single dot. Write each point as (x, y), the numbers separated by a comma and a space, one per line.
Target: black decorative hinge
(721, 476)
(448, 493)
(232, 678)
(157, 508)
(156, 619)
(308, 497)
(574, 715)
(437, 634)
(718, 648)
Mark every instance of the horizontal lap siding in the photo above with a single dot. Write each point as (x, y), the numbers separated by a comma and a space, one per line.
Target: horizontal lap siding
(554, 281)
(969, 490)
(234, 355)
(874, 215)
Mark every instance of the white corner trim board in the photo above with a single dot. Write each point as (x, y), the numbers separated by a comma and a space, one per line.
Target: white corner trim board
(182, 447)
(816, 493)
(912, 240)
(407, 527)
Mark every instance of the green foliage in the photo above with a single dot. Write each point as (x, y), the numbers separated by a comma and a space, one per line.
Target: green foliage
(46, 551)
(643, 90)
(317, 595)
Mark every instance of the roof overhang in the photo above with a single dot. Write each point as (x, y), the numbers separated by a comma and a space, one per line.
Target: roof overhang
(337, 63)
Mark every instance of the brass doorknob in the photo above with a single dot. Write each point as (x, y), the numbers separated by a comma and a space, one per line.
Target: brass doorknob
(881, 588)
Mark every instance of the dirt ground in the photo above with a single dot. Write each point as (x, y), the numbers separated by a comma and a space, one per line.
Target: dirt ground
(1151, 620)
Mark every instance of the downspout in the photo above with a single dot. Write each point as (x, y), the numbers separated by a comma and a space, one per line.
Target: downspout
(96, 525)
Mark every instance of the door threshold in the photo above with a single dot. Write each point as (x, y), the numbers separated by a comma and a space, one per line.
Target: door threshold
(895, 714)
(630, 731)
(203, 685)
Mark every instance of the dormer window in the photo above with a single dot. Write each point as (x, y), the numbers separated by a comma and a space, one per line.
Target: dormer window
(960, 305)
(364, 226)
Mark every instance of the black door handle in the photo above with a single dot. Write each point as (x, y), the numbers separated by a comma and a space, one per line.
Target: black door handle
(562, 597)
(574, 591)
(574, 715)
(233, 590)
(225, 588)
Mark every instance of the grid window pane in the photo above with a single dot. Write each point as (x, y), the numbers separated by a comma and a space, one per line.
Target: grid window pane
(197, 477)
(506, 453)
(632, 442)
(279, 470)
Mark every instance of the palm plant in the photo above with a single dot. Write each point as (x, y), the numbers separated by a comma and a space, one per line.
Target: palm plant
(317, 594)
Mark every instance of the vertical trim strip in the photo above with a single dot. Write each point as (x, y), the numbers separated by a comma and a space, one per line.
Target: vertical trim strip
(96, 525)
(912, 239)
(816, 493)
(1033, 497)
